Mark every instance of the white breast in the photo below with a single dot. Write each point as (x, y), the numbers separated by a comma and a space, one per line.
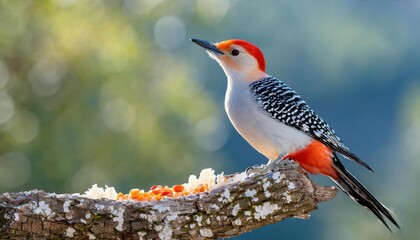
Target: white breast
(270, 137)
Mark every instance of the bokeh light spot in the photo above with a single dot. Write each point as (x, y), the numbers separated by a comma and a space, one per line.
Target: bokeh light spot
(7, 107)
(211, 134)
(214, 10)
(46, 77)
(23, 127)
(15, 170)
(119, 115)
(169, 32)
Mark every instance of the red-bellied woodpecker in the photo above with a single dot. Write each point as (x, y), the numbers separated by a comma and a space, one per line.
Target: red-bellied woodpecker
(275, 120)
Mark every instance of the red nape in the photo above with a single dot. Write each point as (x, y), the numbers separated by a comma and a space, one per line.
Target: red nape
(315, 158)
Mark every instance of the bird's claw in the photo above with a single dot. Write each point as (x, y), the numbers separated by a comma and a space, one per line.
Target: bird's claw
(274, 166)
(255, 169)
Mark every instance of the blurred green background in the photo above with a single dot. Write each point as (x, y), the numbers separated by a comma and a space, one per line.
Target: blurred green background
(112, 92)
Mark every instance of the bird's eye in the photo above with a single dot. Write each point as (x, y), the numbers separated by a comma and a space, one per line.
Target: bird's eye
(235, 52)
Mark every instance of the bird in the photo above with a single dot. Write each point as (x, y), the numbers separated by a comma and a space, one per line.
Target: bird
(279, 124)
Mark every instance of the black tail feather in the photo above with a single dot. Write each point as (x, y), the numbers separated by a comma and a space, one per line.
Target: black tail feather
(346, 153)
(353, 188)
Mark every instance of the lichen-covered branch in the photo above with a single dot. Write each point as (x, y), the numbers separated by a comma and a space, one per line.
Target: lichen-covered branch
(263, 198)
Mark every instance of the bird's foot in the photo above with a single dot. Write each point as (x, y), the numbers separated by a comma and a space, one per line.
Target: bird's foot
(272, 166)
(255, 169)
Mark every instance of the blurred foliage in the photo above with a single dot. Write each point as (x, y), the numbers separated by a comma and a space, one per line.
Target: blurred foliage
(87, 97)
(112, 92)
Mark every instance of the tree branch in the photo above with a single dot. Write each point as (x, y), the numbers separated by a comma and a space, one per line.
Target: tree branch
(238, 207)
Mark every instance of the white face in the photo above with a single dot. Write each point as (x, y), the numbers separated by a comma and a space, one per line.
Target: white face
(237, 58)
(238, 64)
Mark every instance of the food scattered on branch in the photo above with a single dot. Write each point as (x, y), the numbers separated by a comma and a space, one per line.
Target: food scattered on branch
(206, 181)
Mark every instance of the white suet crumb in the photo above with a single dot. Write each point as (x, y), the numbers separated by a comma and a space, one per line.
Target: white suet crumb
(207, 176)
(96, 192)
(91, 236)
(192, 183)
(262, 211)
(220, 180)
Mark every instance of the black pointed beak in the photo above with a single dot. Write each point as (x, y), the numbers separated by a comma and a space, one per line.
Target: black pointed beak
(207, 45)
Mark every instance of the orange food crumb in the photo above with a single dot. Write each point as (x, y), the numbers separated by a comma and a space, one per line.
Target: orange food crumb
(201, 188)
(166, 193)
(121, 196)
(134, 193)
(158, 197)
(178, 188)
(159, 192)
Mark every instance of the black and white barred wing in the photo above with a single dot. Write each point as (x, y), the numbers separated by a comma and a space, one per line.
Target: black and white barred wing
(285, 105)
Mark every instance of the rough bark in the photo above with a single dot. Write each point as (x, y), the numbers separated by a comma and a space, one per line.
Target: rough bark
(263, 198)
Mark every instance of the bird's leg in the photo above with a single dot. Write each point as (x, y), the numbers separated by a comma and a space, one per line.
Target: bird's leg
(272, 165)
